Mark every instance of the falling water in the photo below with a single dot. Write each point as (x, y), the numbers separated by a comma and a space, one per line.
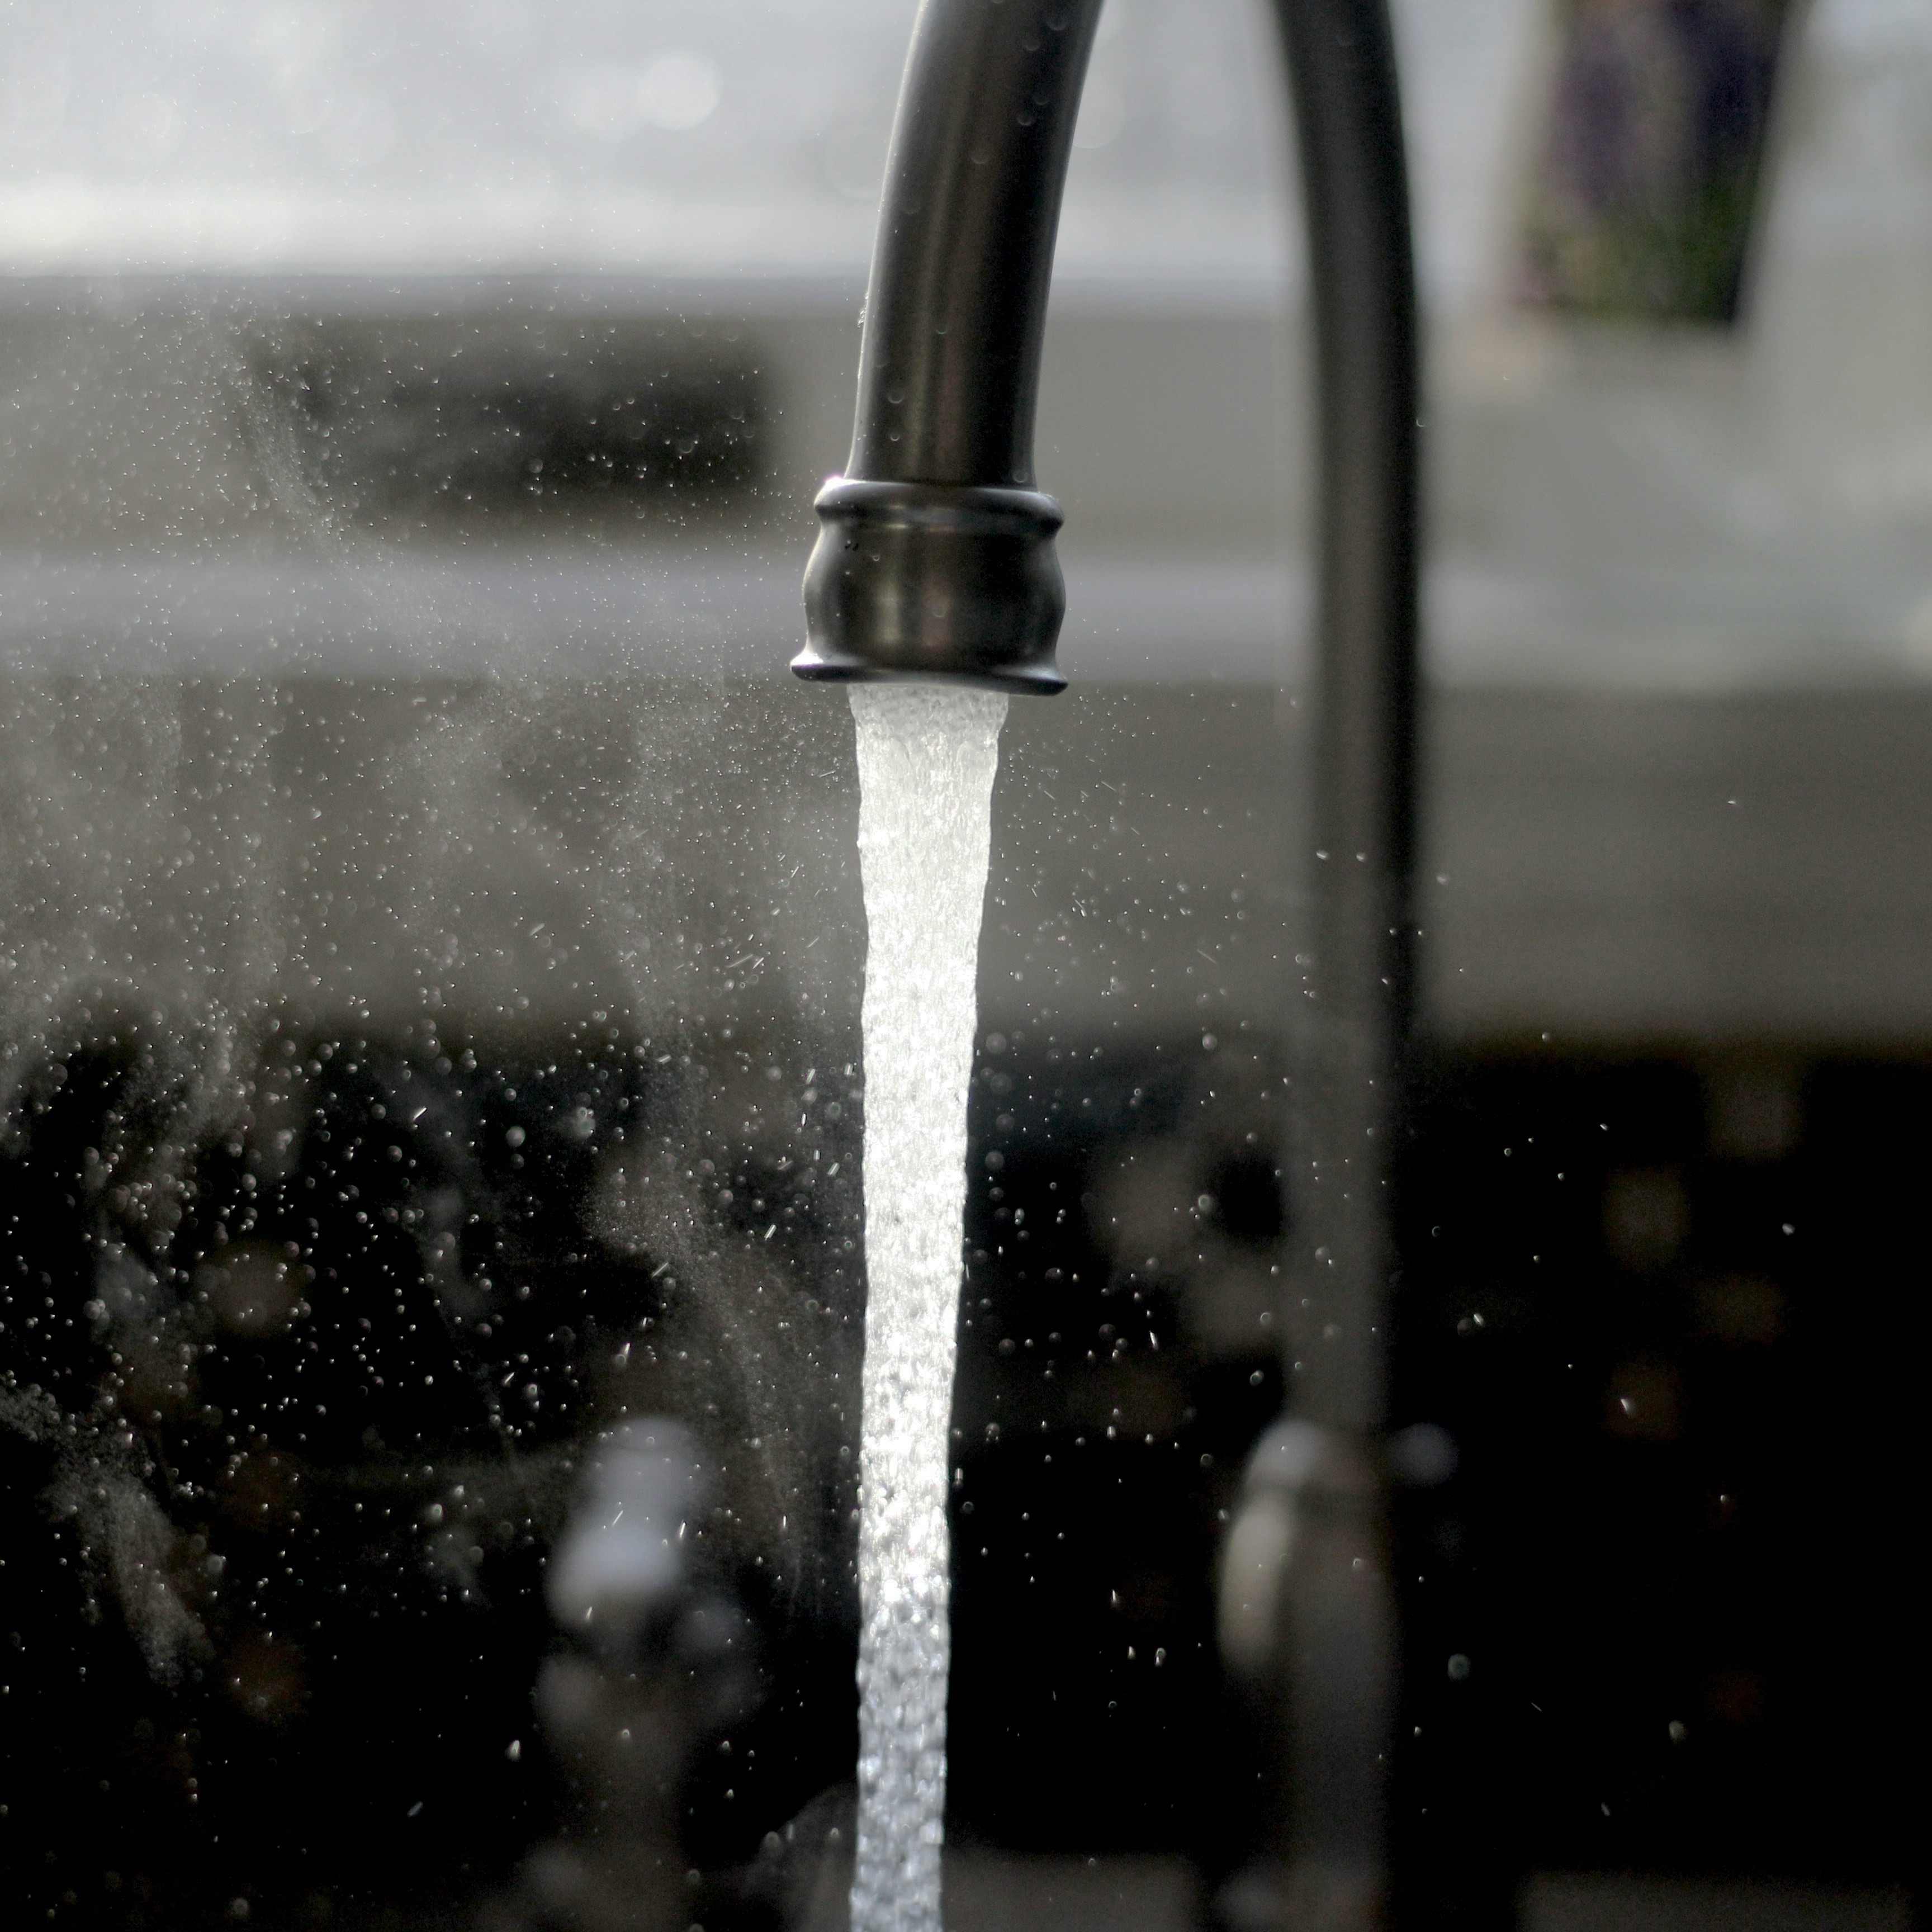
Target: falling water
(926, 760)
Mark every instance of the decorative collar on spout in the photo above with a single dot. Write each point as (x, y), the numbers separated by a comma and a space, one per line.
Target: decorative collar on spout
(946, 580)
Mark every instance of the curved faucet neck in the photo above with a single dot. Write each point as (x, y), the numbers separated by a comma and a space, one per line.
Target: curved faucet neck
(956, 311)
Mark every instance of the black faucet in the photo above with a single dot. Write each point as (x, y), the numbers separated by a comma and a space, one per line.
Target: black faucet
(936, 562)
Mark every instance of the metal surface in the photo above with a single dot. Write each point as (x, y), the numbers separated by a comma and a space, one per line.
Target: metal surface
(930, 580)
(910, 578)
(1351, 1043)
(961, 582)
(1348, 118)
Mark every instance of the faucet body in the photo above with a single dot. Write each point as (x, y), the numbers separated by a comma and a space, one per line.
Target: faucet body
(935, 561)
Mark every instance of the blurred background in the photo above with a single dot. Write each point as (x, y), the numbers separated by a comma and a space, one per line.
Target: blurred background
(430, 948)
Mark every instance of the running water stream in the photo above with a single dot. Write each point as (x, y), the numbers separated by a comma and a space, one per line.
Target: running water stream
(926, 759)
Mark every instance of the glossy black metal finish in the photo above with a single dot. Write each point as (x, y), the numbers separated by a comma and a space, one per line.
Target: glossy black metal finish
(950, 366)
(954, 317)
(934, 581)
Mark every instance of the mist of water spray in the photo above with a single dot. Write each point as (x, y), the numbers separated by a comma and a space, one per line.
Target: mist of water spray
(926, 760)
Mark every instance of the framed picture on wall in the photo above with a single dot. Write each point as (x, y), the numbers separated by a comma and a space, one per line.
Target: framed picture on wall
(1641, 203)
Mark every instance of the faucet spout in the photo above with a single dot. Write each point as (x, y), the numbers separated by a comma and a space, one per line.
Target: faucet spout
(935, 558)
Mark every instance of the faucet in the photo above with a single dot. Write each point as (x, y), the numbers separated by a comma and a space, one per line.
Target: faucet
(935, 561)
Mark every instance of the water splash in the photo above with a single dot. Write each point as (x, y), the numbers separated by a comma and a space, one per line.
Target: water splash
(926, 760)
